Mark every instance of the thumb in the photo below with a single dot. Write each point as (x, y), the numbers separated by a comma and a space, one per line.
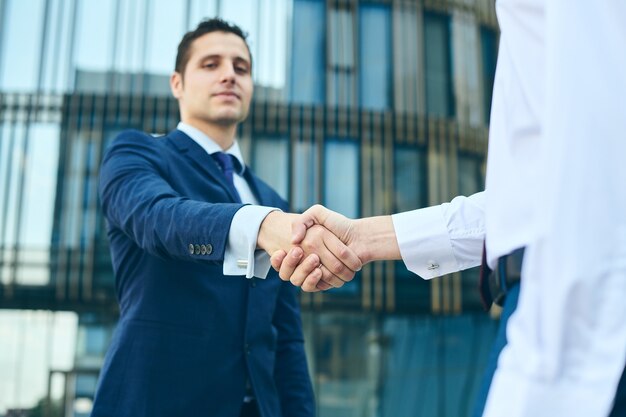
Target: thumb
(299, 226)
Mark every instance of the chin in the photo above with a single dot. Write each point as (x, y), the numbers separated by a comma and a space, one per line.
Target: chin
(228, 119)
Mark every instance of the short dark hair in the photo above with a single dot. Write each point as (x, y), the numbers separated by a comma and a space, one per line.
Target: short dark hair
(206, 26)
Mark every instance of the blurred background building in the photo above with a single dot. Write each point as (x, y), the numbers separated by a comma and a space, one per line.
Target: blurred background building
(367, 106)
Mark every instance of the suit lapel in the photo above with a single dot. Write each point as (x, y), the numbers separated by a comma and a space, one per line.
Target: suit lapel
(200, 159)
(253, 182)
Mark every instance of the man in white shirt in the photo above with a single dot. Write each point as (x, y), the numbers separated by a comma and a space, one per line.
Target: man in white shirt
(555, 185)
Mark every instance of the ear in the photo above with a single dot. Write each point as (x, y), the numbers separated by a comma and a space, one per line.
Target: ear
(176, 84)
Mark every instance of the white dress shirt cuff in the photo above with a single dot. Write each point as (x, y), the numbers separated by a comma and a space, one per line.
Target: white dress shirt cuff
(241, 256)
(424, 242)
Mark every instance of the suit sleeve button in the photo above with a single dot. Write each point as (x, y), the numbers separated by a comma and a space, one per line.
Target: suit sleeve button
(191, 248)
(197, 249)
(203, 249)
(209, 249)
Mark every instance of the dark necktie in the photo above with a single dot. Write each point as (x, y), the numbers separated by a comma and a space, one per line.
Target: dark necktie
(228, 163)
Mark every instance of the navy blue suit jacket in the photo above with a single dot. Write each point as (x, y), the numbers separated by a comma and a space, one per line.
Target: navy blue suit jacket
(187, 333)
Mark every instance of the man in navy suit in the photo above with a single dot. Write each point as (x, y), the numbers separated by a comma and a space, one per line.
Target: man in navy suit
(188, 222)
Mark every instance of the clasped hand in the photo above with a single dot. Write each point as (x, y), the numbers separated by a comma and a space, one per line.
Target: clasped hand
(322, 251)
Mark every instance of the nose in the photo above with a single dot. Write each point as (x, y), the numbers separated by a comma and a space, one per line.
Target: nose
(228, 74)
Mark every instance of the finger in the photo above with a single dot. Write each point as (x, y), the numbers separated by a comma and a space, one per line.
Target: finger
(331, 279)
(323, 286)
(290, 262)
(309, 266)
(342, 252)
(315, 243)
(335, 266)
(277, 259)
(311, 281)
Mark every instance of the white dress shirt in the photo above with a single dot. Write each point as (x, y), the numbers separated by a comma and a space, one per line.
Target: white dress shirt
(241, 256)
(555, 184)
(567, 339)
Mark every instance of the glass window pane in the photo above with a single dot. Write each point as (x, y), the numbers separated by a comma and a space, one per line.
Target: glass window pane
(375, 56)
(342, 72)
(94, 36)
(470, 177)
(409, 179)
(21, 45)
(271, 162)
(305, 176)
(165, 31)
(489, 47)
(270, 41)
(308, 63)
(38, 204)
(341, 177)
(40, 185)
(438, 76)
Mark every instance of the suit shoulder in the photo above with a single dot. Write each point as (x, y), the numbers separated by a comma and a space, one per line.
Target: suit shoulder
(133, 136)
(130, 140)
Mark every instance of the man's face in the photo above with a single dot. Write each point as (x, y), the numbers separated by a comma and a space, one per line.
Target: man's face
(217, 84)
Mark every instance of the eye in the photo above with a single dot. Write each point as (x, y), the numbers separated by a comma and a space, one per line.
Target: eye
(210, 65)
(241, 69)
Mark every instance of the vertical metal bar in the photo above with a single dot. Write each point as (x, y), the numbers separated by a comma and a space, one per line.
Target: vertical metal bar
(433, 198)
(72, 42)
(81, 173)
(90, 205)
(57, 46)
(42, 46)
(187, 15)
(113, 51)
(5, 210)
(367, 202)
(144, 85)
(21, 181)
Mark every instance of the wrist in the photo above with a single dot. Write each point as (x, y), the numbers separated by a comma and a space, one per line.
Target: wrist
(360, 243)
(375, 239)
(274, 231)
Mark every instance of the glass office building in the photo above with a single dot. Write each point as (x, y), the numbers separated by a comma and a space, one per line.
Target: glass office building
(367, 106)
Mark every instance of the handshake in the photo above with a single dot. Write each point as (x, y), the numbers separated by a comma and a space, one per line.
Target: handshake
(321, 249)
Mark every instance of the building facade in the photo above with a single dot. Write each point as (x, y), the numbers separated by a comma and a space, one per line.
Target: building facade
(367, 106)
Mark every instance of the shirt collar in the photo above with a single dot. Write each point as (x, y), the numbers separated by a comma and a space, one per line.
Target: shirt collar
(209, 145)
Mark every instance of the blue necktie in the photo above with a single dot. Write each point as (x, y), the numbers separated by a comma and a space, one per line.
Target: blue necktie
(228, 162)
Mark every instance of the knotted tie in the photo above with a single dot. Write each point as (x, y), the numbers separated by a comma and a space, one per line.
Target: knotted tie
(228, 162)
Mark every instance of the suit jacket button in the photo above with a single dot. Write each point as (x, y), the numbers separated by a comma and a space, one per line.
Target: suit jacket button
(209, 249)
(203, 249)
(191, 248)
(197, 249)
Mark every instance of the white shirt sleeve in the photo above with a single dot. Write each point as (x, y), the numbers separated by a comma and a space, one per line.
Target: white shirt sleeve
(438, 240)
(241, 256)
